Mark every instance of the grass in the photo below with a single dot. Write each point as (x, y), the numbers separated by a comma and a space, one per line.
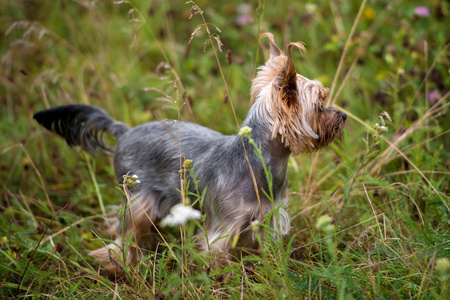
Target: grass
(388, 193)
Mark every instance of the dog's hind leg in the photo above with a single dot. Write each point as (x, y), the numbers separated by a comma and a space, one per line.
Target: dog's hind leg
(140, 219)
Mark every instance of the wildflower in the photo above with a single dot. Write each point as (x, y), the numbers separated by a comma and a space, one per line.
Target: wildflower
(244, 17)
(380, 129)
(422, 11)
(245, 8)
(369, 14)
(324, 224)
(443, 268)
(383, 128)
(329, 228)
(389, 58)
(396, 137)
(434, 95)
(180, 214)
(187, 163)
(254, 225)
(310, 8)
(131, 181)
(245, 131)
(243, 20)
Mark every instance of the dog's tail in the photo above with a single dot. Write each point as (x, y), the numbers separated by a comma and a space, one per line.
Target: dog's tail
(82, 125)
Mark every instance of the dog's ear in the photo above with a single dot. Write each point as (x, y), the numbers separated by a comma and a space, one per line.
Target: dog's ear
(287, 78)
(274, 50)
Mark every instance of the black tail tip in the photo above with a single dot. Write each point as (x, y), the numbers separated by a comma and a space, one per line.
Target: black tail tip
(39, 116)
(79, 124)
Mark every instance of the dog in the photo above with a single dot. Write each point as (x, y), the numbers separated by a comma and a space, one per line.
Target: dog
(287, 116)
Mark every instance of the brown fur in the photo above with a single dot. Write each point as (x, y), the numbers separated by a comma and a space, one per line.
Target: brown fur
(140, 220)
(291, 103)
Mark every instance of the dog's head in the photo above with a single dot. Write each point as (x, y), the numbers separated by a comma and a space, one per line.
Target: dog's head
(294, 106)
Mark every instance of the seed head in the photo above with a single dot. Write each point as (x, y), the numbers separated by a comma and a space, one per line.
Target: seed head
(187, 163)
(131, 181)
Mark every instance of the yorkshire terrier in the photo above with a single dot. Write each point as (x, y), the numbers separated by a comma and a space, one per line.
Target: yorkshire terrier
(288, 116)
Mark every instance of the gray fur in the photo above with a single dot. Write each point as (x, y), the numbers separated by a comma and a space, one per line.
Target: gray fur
(153, 151)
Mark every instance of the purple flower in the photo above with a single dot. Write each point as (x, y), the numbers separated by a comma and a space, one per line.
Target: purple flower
(243, 20)
(396, 137)
(422, 11)
(434, 95)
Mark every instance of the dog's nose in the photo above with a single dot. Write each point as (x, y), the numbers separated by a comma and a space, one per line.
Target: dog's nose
(344, 116)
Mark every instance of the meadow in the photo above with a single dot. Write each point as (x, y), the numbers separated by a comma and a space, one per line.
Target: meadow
(370, 214)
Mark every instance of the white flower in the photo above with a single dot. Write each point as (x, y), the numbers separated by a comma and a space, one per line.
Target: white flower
(180, 214)
(134, 177)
